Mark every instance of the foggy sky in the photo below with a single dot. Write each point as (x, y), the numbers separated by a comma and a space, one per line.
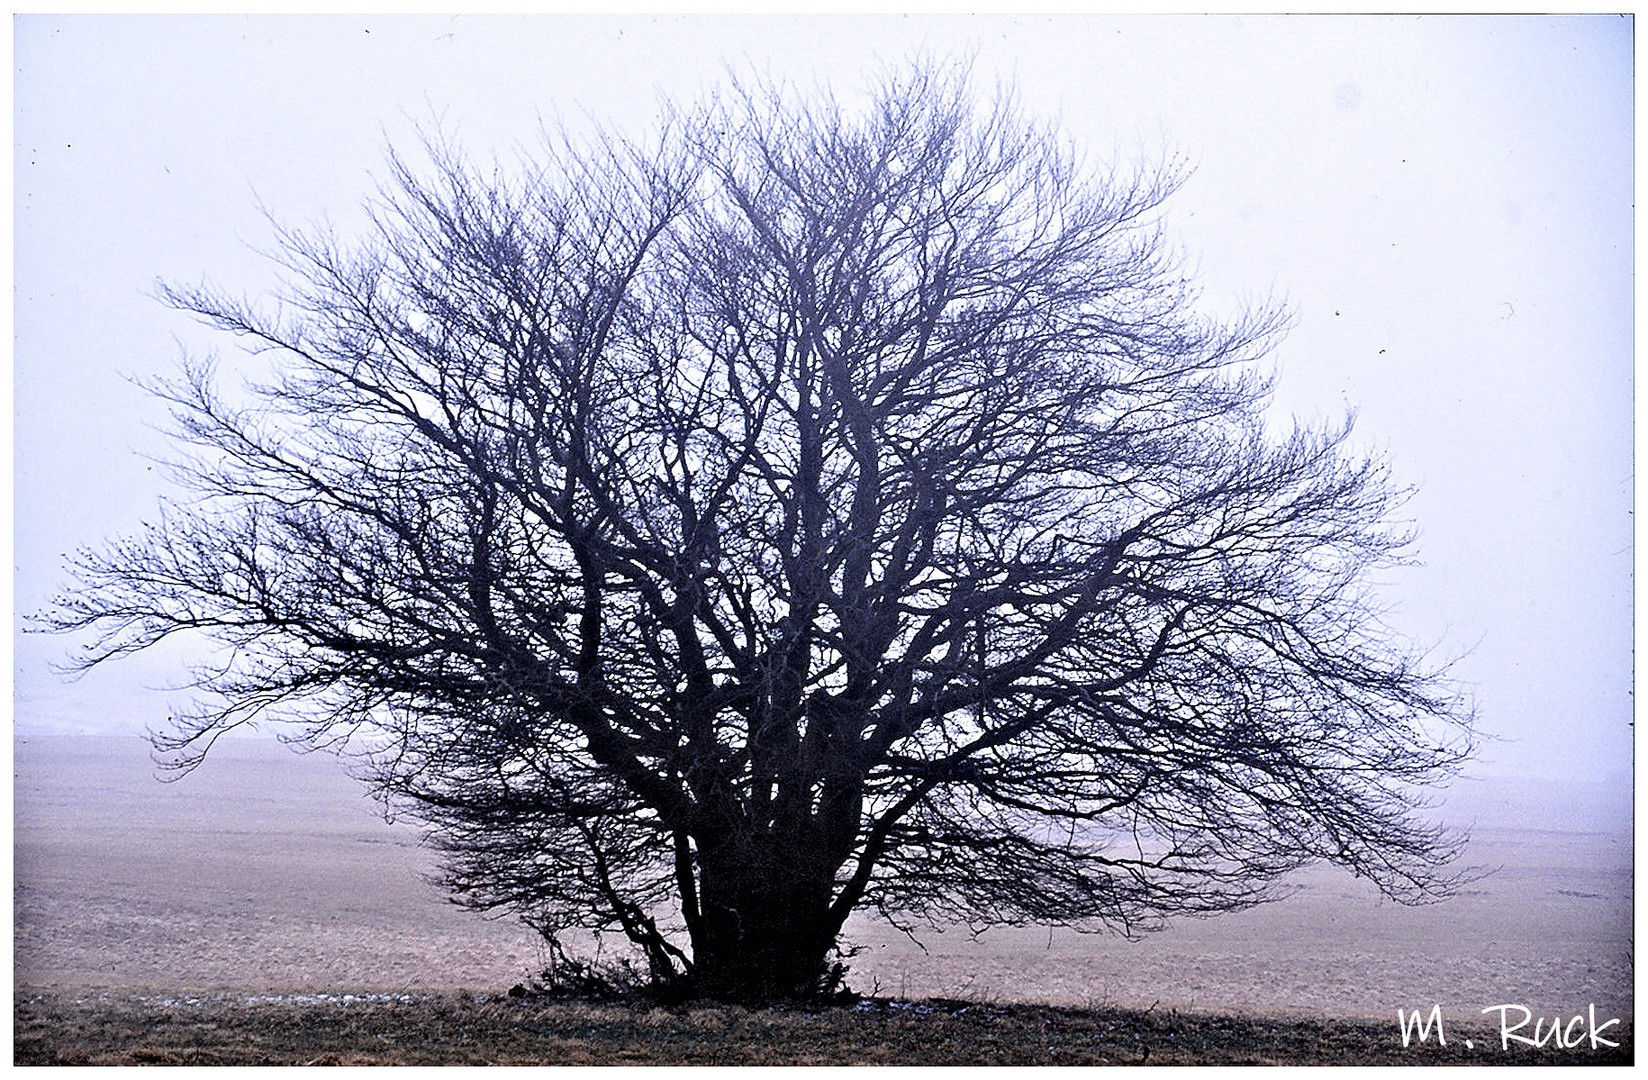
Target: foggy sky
(1445, 205)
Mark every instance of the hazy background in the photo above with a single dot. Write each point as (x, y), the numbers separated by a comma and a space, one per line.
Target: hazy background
(1444, 203)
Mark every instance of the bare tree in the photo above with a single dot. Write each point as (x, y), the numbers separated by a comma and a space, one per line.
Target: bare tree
(815, 509)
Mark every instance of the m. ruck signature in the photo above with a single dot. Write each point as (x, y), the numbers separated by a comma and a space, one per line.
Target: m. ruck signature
(1575, 1033)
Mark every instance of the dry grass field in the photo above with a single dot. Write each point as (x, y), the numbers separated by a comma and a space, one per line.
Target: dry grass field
(222, 917)
(451, 1029)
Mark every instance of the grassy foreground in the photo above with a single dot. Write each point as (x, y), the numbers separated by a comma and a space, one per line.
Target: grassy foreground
(94, 1028)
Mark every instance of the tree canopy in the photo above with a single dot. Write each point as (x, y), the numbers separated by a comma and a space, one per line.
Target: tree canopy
(815, 507)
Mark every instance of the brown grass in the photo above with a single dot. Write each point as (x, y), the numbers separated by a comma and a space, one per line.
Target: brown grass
(77, 1028)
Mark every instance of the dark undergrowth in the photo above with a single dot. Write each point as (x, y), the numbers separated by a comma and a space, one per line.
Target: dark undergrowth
(66, 1027)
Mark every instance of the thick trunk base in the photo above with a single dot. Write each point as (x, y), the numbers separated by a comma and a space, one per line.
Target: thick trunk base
(768, 975)
(764, 951)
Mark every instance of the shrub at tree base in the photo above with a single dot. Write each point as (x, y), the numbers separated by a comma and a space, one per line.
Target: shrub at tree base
(814, 508)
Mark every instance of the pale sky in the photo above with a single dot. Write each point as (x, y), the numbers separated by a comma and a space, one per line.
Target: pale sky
(1445, 204)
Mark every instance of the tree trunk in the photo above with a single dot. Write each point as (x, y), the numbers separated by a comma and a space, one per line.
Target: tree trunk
(764, 933)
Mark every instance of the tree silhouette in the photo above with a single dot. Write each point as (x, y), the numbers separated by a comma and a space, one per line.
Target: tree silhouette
(815, 508)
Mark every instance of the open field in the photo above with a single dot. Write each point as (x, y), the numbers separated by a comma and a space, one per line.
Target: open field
(432, 1029)
(266, 873)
